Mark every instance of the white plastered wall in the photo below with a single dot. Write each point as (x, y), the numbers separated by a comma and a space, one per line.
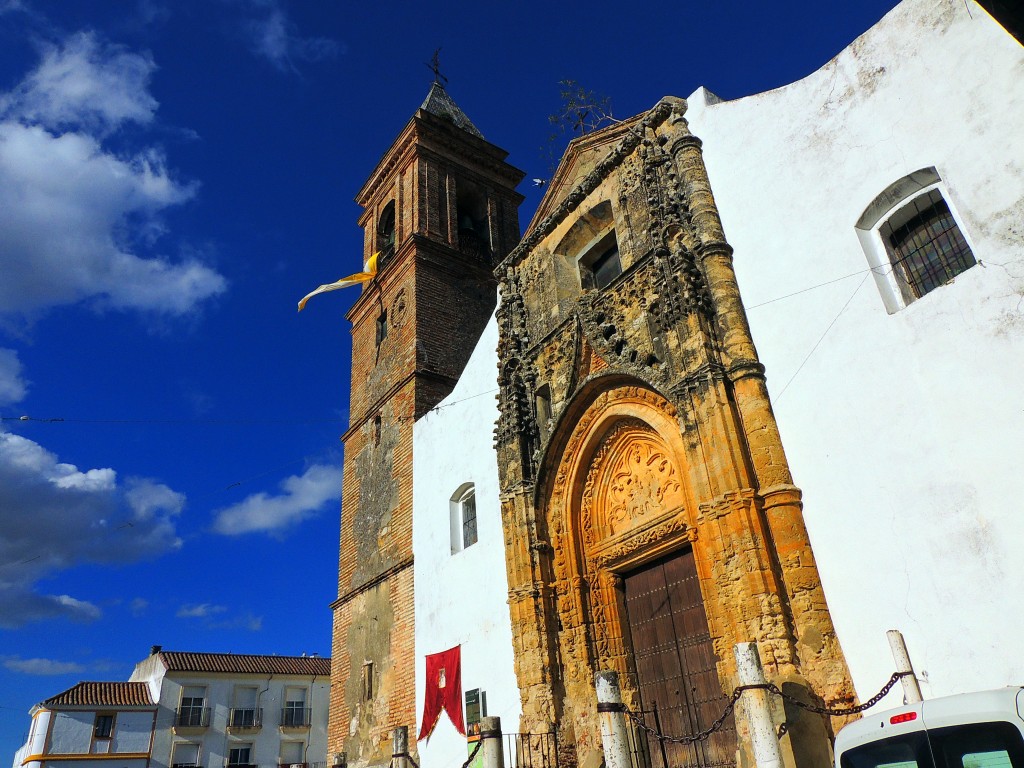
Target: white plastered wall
(461, 598)
(905, 430)
(72, 733)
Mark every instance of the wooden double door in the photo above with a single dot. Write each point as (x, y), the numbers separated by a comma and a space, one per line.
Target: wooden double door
(676, 663)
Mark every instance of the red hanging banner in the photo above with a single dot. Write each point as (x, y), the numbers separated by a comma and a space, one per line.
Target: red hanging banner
(443, 691)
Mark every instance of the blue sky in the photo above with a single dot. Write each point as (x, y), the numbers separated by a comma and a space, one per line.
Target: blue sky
(174, 176)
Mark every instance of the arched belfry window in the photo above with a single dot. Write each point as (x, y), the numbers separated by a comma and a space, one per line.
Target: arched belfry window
(462, 517)
(471, 217)
(912, 239)
(386, 233)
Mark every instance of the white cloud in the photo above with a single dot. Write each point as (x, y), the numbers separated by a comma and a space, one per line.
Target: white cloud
(245, 621)
(75, 213)
(275, 37)
(12, 386)
(138, 606)
(301, 497)
(199, 611)
(42, 666)
(9, 6)
(85, 84)
(56, 516)
(148, 498)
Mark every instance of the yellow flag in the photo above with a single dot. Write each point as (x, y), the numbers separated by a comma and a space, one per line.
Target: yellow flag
(369, 272)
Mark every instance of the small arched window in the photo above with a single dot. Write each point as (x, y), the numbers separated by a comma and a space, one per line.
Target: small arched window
(462, 517)
(912, 239)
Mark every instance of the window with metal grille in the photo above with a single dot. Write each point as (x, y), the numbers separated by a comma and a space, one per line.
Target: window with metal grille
(925, 245)
(468, 519)
(295, 712)
(193, 712)
(462, 510)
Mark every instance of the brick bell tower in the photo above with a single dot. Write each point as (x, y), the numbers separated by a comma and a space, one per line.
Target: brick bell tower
(442, 210)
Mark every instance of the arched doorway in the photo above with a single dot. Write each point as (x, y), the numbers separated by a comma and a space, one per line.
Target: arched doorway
(629, 576)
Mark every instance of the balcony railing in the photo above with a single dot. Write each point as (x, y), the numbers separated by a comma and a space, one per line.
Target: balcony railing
(192, 717)
(296, 717)
(184, 765)
(245, 717)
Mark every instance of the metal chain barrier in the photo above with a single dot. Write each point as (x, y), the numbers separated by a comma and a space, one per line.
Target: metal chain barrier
(700, 736)
(771, 688)
(479, 743)
(842, 712)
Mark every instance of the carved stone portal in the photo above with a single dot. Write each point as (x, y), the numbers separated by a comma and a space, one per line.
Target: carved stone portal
(619, 498)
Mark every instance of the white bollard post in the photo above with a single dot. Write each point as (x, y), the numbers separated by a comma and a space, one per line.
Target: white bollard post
(613, 720)
(491, 747)
(757, 707)
(911, 690)
(400, 747)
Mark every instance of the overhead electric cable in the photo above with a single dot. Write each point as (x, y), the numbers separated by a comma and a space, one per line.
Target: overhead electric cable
(809, 288)
(820, 339)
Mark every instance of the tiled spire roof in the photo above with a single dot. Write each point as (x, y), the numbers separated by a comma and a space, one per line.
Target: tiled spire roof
(103, 694)
(439, 103)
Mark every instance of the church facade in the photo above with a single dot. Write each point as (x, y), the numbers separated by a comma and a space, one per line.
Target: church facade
(731, 331)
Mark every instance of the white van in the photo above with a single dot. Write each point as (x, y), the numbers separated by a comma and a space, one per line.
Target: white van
(968, 730)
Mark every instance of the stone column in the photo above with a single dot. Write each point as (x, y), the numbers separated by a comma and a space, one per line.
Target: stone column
(535, 655)
(820, 658)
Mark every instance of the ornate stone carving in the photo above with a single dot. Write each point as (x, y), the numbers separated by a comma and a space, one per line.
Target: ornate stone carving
(631, 480)
(675, 528)
(516, 434)
(633, 472)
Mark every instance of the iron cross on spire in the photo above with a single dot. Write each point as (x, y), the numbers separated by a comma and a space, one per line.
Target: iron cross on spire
(435, 67)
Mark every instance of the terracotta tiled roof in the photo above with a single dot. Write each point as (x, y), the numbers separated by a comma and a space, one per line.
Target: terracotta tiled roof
(240, 663)
(103, 695)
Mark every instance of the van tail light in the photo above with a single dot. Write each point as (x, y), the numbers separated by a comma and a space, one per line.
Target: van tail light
(905, 717)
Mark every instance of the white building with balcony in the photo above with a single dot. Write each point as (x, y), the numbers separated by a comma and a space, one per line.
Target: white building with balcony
(217, 710)
(188, 710)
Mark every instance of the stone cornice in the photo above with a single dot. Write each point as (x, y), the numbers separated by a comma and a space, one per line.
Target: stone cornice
(367, 585)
